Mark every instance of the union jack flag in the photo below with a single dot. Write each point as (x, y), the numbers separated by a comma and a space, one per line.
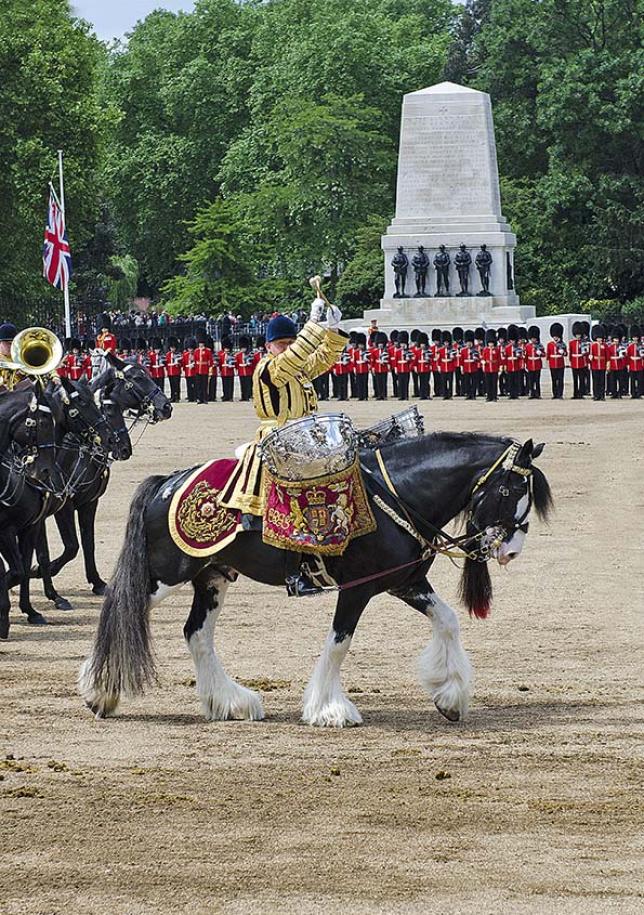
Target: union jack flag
(56, 256)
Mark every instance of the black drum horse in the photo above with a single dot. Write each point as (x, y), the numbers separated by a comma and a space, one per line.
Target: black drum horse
(491, 481)
(121, 388)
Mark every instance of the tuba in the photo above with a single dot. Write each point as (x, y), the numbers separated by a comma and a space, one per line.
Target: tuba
(35, 351)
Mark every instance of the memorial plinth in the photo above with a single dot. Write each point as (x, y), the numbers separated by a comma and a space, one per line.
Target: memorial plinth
(447, 194)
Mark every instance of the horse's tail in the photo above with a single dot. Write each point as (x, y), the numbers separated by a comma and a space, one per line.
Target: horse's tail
(122, 659)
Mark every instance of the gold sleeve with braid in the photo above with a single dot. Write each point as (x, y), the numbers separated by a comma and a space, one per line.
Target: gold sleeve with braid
(314, 350)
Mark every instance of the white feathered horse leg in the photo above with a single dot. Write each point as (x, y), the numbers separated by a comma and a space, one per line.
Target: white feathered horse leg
(444, 668)
(221, 696)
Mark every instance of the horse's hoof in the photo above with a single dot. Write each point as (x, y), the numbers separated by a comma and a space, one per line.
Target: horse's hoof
(99, 589)
(449, 713)
(61, 603)
(35, 572)
(36, 619)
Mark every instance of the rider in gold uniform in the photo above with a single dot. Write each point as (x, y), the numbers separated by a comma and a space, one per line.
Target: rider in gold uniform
(8, 376)
(282, 391)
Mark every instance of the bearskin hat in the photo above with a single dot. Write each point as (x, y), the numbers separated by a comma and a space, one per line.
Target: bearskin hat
(468, 336)
(244, 342)
(513, 333)
(502, 333)
(436, 335)
(635, 331)
(361, 339)
(157, 343)
(141, 343)
(598, 332)
(105, 322)
(446, 336)
(534, 333)
(414, 335)
(191, 343)
(490, 335)
(422, 339)
(523, 333)
(576, 329)
(380, 338)
(403, 337)
(622, 330)
(226, 343)
(457, 334)
(479, 333)
(74, 343)
(260, 341)
(556, 329)
(173, 341)
(585, 328)
(393, 336)
(125, 344)
(352, 336)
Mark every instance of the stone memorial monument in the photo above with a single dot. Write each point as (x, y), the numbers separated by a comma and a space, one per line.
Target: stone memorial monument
(448, 203)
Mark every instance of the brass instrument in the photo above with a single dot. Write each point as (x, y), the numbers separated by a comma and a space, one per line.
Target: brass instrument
(35, 351)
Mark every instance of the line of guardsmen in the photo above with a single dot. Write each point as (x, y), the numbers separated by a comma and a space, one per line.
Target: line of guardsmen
(472, 363)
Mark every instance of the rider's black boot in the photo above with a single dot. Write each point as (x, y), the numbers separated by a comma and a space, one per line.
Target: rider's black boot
(297, 582)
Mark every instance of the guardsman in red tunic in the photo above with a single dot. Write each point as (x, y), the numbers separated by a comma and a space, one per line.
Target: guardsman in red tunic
(413, 349)
(351, 348)
(403, 361)
(502, 339)
(245, 365)
(623, 375)
(534, 354)
(340, 371)
(106, 340)
(361, 366)
(436, 375)
(74, 365)
(227, 369)
(457, 342)
(141, 354)
(379, 364)
(578, 361)
(423, 362)
(156, 358)
(391, 349)
(447, 362)
(173, 369)
(479, 343)
(616, 360)
(585, 345)
(556, 353)
(513, 353)
(470, 361)
(598, 358)
(491, 363)
(189, 368)
(635, 359)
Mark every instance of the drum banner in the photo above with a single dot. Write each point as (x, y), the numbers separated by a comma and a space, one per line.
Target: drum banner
(198, 524)
(317, 516)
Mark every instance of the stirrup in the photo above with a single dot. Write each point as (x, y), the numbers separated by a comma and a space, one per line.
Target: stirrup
(299, 586)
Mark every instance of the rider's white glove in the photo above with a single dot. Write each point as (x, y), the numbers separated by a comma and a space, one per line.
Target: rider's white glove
(317, 310)
(333, 317)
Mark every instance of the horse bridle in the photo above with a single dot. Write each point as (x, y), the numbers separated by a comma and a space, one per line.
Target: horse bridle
(146, 401)
(441, 541)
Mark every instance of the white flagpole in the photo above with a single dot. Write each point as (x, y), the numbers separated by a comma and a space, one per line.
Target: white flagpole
(68, 317)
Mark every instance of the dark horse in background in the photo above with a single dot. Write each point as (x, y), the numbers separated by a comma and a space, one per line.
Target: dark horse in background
(122, 387)
(490, 480)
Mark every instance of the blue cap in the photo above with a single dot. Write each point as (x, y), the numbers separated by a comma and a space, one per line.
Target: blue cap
(7, 332)
(280, 328)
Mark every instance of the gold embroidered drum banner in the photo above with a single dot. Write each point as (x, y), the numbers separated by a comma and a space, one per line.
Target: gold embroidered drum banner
(198, 524)
(321, 515)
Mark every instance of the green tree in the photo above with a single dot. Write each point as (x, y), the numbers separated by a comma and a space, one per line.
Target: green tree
(48, 100)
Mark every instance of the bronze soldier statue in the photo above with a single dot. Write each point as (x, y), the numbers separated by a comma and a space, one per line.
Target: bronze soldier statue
(483, 264)
(463, 262)
(441, 263)
(400, 263)
(420, 263)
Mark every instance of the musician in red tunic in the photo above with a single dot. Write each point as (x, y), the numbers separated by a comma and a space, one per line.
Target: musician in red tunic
(340, 371)
(379, 364)
(491, 362)
(436, 375)
(173, 369)
(578, 352)
(470, 360)
(513, 358)
(635, 361)
(534, 354)
(361, 366)
(598, 358)
(75, 365)
(556, 353)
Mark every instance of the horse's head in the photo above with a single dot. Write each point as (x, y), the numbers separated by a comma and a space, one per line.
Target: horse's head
(497, 519)
(75, 411)
(135, 390)
(30, 434)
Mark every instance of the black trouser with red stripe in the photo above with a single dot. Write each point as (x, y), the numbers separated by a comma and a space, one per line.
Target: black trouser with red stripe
(380, 385)
(362, 390)
(468, 385)
(637, 380)
(514, 384)
(403, 385)
(201, 388)
(423, 385)
(491, 386)
(246, 386)
(227, 387)
(175, 388)
(577, 383)
(534, 384)
(447, 384)
(599, 384)
(557, 377)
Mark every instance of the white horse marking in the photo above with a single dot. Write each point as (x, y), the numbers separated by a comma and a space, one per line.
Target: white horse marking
(162, 592)
(444, 668)
(325, 704)
(221, 697)
(512, 548)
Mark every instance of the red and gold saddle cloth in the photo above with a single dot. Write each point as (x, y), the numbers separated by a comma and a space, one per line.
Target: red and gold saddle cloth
(316, 516)
(198, 524)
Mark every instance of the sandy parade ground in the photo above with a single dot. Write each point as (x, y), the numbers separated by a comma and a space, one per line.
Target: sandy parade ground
(533, 804)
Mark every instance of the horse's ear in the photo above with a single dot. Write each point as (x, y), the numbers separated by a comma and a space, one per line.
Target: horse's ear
(536, 451)
(114, 360)
(524, 456)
